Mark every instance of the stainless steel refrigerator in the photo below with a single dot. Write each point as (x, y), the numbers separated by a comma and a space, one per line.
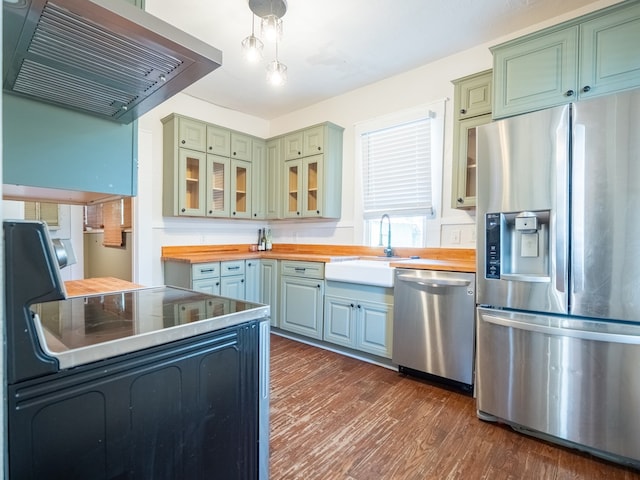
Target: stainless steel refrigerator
(558, 282)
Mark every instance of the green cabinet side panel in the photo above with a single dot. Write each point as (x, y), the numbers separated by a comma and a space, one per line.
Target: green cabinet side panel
(51, 147)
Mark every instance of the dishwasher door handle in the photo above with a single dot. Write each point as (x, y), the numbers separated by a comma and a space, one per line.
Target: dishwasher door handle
(434, 282)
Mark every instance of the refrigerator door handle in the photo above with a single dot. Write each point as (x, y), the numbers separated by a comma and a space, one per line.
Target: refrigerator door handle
(563, 332)
(519, 277)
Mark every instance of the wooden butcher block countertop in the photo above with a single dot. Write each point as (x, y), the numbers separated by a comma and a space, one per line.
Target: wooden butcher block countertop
(449, 259)
(92, 286)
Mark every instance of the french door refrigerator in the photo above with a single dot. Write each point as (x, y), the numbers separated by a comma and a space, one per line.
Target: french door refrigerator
(558, 249)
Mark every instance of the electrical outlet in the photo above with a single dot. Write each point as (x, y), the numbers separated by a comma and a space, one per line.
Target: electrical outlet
(455, 236)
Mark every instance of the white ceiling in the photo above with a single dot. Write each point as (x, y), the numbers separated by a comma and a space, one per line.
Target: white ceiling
(334, 46)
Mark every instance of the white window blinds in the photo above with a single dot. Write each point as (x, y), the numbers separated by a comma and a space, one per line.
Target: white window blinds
(396, 164)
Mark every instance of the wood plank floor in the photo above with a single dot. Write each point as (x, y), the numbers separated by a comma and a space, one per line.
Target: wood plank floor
(335, 418)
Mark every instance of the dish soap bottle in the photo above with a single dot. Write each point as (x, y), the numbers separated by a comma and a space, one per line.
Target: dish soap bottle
(263, 240)
(269, 244)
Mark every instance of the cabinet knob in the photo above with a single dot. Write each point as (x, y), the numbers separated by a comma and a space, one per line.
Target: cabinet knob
(210, 212)
(234, 213)
(319, 148)
(352, 305)
(359, 306)
(569, 93)
(319, 286)
(242, 281)
(297, 213)
(460, 200)
(183, 210)
(299, 153)
(210, 148)
(183, 142)
(255, 214)
(234, 154)
(586, 88)
(318, 212)
(463, 111)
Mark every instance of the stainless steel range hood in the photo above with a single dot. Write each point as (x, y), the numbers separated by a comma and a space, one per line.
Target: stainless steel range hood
(102, 57)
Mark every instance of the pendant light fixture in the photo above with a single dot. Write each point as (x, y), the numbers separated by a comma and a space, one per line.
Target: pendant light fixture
(252, 46)
(276, 71)
(270, 13)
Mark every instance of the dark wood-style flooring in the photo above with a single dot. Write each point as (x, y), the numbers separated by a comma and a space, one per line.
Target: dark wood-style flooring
(337, 418)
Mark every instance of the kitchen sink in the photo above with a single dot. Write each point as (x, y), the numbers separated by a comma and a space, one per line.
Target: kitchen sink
(366, 271)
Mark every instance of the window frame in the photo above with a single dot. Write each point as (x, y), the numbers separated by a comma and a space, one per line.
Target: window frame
(365, 229)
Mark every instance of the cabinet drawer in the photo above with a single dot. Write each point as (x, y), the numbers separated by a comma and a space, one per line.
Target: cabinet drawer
(205, 270)
(302, 269)
(232, 267)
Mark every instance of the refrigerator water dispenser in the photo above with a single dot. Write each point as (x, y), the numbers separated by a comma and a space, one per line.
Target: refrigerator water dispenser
(517, 246)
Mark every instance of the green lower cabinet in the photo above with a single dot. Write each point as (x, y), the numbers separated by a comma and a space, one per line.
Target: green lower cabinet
(301, 305)
(359, 317)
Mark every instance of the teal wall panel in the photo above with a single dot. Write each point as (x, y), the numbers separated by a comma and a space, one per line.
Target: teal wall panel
(47, 146)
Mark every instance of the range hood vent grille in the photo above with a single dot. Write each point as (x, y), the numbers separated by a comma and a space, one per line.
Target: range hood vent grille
(85, 55)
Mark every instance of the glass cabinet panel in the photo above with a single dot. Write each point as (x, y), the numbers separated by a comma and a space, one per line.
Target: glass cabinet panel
(217, 186)
(241, 188)
(470, 184)
(191, 187)
(293, 183)
(312, 185)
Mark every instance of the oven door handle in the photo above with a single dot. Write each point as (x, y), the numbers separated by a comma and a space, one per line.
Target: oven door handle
(434, 282)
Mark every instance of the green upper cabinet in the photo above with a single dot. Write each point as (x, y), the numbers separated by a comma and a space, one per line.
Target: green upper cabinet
(536, 73)
(472, 95)
(610, 52)
(312, 172)
(472, 108)
(589, 56)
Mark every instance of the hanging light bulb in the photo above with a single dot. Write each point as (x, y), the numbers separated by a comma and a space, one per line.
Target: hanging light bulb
(271, 28)
(252, 46)
(276, 71)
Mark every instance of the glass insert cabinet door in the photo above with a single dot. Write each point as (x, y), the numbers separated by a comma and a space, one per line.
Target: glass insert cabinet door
(312, 185)
(293, 188)
(241, 189)
(218, 181)
(465, 194)
(192, 168)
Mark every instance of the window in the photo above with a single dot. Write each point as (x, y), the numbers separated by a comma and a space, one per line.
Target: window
(400, 157)
(46, 212)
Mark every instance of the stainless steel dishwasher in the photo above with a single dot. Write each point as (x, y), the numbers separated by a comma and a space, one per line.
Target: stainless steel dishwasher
(434, 325)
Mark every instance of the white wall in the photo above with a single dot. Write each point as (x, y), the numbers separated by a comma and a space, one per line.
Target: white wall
(421, 86)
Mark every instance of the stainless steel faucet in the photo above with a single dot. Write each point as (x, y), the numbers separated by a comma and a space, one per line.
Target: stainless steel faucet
(387, 251)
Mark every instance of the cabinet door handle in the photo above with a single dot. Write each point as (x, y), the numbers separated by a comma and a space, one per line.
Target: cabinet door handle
(206, 270)
(233, 268)
(460, 200)
(300, 269)
(586, 88)
(569, 93)
(463, 111)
